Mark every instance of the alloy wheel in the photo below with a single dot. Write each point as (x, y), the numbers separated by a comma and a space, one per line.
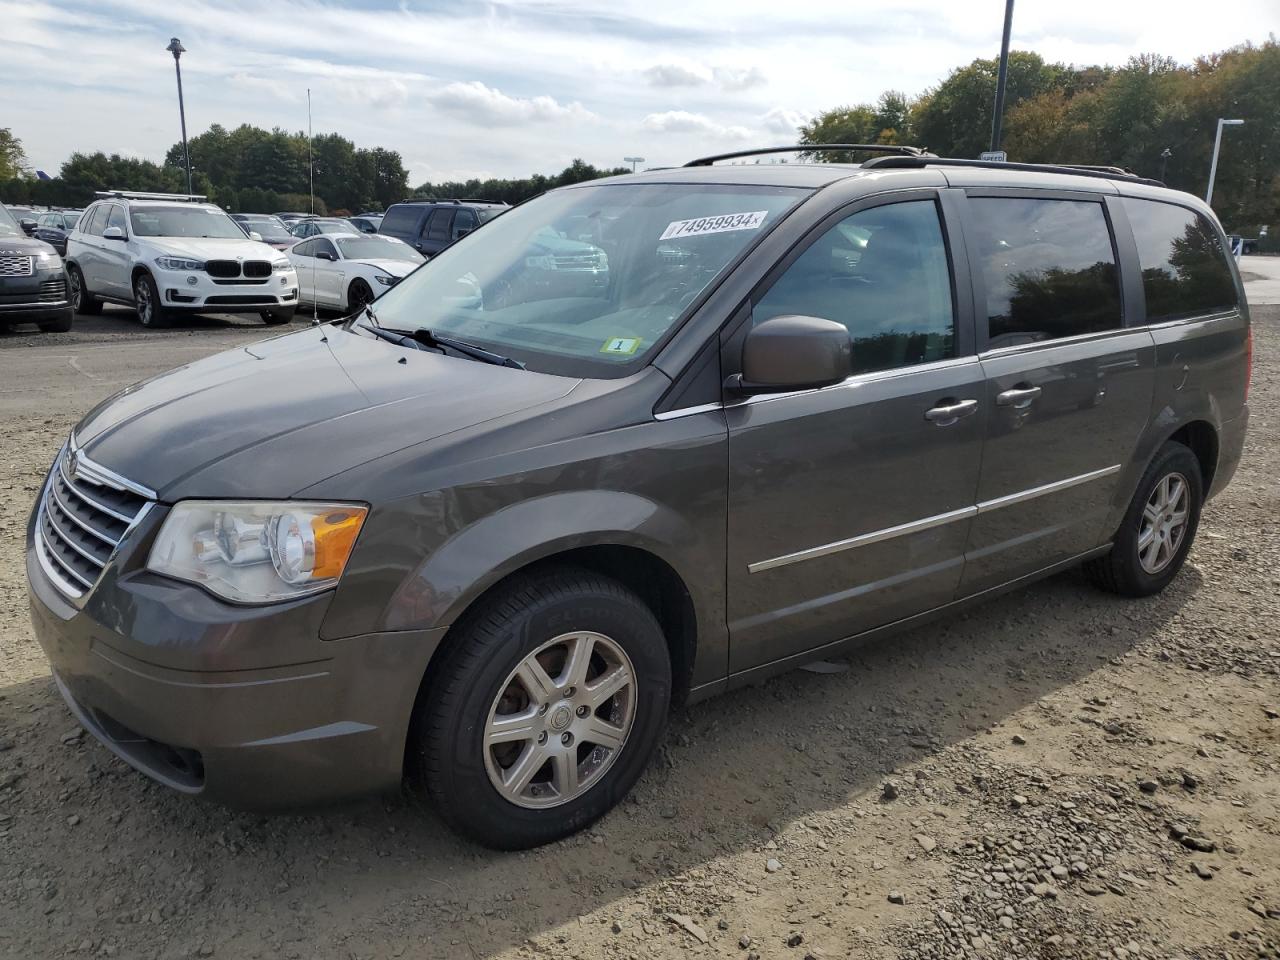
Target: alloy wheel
(142, 301)
(1164, 523)
(73, 281)
(560, 720)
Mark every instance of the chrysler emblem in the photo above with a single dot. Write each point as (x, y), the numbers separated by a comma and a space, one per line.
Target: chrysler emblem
(75, 464)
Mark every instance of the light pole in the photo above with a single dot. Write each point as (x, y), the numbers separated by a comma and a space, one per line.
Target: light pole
(1002, 76)
(1213, 165)
(177, 49)
(1165, 154)
(633, 161)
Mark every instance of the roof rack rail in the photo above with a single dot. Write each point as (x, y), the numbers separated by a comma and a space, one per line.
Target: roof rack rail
(140, 195)
(1075, 169)
(890, 148)
(500, 203)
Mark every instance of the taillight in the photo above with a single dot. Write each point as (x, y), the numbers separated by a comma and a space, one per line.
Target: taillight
(1248, 362)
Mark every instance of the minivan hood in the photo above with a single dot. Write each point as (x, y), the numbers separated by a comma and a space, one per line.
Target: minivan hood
(275, 417)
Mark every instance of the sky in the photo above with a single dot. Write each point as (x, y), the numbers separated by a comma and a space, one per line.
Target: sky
(464, 88)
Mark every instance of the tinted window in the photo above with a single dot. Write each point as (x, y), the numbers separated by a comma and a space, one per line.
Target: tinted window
(1184, 268)
(883, 273)
(97, 220)
(323, 246)
(305, 249)
(1049, 268)
(464, 221)
(438, 226)
(117, 219)
(400, 219)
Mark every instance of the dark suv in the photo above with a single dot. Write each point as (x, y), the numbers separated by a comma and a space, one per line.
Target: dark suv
(431, 225)
(32, 286)
(485, 533)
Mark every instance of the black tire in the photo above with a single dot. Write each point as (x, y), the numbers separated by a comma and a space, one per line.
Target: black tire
(82, 301)
(146, 300)
(446, 756)
(1121, 571)
(274, 318)
(359, 295)
(62, 324)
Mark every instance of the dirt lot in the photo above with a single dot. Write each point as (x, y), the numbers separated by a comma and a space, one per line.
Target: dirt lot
(1011, 784)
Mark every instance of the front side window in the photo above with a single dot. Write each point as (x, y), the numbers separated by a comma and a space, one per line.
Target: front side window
(463, 223)
(1184, 268)
(9, 226)
(322, 247)
(116, 219)
(202, 222)
(884, 274)
(307, 248)
(1049, 268)
(438, 226)
(586, 281)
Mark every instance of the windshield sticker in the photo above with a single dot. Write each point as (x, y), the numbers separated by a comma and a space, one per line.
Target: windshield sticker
(721, 224)
(623, 345)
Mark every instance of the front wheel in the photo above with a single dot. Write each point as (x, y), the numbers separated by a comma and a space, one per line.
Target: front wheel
(544, 711)
(359, 296)
(146, 300)
(1158, 528)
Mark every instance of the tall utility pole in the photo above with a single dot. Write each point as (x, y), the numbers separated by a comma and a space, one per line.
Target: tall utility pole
(1213, 164)
(1165, 154)
(1002, 76)
(177, 49)
(633, 161)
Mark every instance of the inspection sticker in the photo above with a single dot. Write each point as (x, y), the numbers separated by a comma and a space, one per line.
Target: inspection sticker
(621, 345)
(721, 224)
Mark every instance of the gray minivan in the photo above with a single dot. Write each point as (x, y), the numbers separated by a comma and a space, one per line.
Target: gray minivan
(485, 533)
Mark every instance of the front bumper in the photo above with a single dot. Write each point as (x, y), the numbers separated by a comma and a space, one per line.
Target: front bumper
(197, 291)
(243, 705)
(40, 296)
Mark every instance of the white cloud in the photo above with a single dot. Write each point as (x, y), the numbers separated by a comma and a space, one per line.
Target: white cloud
(782, 120)
(675, 75)
(481, 104)
(740, 79)
(681, 121)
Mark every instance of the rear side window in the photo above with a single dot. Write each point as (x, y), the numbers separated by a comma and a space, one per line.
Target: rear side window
(1184, 268)
(400, 220)
(1049, 268)
(438, 226)
(884, 274)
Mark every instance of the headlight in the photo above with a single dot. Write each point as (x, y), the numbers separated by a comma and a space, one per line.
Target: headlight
(256, 551)
(282, 265)
(179, 263)
(383, 279)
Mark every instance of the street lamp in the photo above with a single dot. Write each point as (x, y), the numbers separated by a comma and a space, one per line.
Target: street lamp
(177, 49)
(1165, 154)
(1002, 76)
(1213, 165)
(633, 161)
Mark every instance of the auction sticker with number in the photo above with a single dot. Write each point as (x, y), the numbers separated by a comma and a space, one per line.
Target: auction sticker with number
(721, 224)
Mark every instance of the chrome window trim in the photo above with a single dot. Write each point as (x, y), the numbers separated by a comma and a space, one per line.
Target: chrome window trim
(1227, 314)
(1051, 342)
(857, 379)
(689, 411)
(928, 523)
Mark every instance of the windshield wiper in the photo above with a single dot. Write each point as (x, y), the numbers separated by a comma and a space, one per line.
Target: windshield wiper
(422, 338)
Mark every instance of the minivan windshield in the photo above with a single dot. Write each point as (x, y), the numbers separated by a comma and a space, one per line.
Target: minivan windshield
(585, 281)
(184, 222)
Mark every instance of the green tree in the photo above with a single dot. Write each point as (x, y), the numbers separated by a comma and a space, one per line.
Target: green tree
(13, 159)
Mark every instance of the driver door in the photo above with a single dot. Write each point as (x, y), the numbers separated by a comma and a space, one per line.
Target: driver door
(328, 273)
(850, 505)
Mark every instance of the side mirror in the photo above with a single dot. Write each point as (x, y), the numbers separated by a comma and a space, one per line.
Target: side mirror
(27, 225)
(325, 255)
(113, 233)
(793, 353)
(255, 235)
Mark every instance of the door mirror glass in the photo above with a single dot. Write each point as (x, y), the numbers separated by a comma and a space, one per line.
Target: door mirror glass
(113, 233)
(794, 353)
(325, 255)
(27, 225)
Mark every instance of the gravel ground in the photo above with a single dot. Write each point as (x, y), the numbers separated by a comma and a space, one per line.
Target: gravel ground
(1057, 774)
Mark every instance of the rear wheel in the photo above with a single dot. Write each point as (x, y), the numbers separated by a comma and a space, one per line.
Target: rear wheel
(82, 301)
(1158, 528)
(146, 300)
(60, 324)
(544, 710)
(359, 295)
(274, 318)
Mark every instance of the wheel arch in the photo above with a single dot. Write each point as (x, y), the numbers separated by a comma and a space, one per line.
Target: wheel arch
(1201, 437)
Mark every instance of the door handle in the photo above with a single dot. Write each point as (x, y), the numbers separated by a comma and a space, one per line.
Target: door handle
(945, 414)
(1019, 397)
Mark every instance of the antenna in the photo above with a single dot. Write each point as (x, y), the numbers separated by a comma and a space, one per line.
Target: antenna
(311, 170)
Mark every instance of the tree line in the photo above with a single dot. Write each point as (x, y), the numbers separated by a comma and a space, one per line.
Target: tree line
(1126, 116)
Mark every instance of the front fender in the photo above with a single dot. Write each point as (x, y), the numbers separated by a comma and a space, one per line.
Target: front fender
(481, 554)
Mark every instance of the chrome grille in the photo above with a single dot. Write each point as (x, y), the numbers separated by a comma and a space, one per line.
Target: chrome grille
(85, 511)
(15, 266)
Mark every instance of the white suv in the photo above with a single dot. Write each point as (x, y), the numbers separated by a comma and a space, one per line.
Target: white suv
(168, 254)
